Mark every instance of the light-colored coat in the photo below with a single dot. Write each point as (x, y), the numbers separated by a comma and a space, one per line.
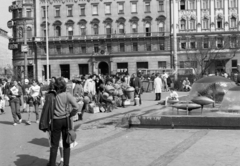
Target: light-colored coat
(158, 85)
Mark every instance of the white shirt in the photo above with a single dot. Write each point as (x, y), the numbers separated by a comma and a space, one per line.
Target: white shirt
(34, 90)
(173, 94)
(89, 87)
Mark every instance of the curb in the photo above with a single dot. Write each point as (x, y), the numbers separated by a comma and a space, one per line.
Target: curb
(184, 122)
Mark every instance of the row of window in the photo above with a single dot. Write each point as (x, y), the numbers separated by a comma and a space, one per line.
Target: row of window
(108, 29)
(19, 13)
(122, 47)
(205, 4)
(107, 9)
(122, 67)
(191, 24)
(219, 43)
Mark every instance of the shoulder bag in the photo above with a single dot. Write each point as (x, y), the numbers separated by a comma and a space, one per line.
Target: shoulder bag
(71, 135)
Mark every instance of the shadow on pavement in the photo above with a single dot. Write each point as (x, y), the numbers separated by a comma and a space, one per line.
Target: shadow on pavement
(6, 122)
(27, 160)
(40, 141)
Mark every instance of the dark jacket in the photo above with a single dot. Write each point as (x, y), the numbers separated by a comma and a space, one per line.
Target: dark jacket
(46, 119)
(14, 97)
(136, 83)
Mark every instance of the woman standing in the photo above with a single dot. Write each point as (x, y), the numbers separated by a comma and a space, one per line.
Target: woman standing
(34, 100)
(60, 122)
(14, 95)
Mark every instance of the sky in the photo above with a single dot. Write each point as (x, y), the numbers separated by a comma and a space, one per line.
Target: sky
(6, 15)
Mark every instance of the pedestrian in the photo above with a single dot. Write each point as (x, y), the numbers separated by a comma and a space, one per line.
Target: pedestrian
(164, 79)
(25, 89)
(5, 89)
(1, 105)
(60, 125)
(136, 83)
(14, 94)
(172, 96)
(34, 101)
(158, 87)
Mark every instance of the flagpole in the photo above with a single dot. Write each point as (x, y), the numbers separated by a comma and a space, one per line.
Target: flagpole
(47, 52)
(175, 40)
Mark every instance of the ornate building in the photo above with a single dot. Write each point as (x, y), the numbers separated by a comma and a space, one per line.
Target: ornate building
(94, 36)
(208, 28)
(5, 54)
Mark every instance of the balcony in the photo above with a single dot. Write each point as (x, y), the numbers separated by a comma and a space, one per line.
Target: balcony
(105, 36)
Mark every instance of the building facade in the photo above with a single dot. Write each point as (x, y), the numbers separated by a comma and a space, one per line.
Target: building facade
(208, 31)
(93, 36)
(5, 54)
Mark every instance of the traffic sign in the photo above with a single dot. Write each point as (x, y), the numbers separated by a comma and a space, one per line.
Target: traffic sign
(24, 48)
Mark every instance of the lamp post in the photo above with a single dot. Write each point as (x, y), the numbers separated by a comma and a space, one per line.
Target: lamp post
(47, 53)
(175, 40)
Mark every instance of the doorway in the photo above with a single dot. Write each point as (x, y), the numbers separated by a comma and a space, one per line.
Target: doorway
(65, 71)
(103, 68)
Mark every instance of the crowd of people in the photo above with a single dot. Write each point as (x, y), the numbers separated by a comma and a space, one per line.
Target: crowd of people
(27, 96)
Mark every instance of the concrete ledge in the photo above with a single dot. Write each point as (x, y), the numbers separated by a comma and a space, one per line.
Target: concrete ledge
(185, 122)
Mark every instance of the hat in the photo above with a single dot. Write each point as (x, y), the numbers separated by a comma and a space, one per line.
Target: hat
(26, 81)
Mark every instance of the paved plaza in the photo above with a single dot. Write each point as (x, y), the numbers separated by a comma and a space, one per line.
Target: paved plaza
(103, 140)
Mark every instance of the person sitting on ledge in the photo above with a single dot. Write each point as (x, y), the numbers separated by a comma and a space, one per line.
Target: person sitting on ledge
(172, 96)
(186, 85)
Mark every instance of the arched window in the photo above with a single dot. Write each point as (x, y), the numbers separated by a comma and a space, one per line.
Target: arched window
(205, 23)
(121, 29)
(134, 28)
(58, 31)
(20, 32)
(192, 24)
(70, 31)
(95, 29)
(29, 32)
(233, 22)
(183, 24)
(161, 27)
(108, 29)
(83, 30)
(148, 29)
(219, 22)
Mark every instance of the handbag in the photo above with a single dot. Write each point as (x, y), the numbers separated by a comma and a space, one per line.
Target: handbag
(71, 135)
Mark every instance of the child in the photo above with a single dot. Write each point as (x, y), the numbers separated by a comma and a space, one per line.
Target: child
(2, 105)
(172, 96)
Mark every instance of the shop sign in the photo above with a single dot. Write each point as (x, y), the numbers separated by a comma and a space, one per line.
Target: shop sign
(10, 24)
(12, 46)
(24, 48)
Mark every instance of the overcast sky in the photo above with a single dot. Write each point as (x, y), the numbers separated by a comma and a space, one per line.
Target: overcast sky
(5, 14)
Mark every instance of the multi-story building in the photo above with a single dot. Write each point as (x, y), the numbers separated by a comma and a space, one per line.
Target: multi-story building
(95, 36)
(5, 54)
(209, 31)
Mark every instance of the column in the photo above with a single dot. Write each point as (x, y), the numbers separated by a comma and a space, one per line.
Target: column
(226, 18)
(198, 19)
(212, 13)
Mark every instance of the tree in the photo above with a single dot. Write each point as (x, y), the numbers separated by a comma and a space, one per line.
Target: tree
(202, 52)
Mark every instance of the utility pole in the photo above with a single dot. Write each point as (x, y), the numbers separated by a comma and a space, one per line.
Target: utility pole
(175, 40)
(47, 52)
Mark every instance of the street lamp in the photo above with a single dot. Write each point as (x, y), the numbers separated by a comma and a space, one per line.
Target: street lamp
(47, 53)
(175, 40)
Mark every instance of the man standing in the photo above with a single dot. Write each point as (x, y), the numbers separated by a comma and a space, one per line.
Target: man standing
(5, 88)
(136, 83)
(164, 77)
(158, 86)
